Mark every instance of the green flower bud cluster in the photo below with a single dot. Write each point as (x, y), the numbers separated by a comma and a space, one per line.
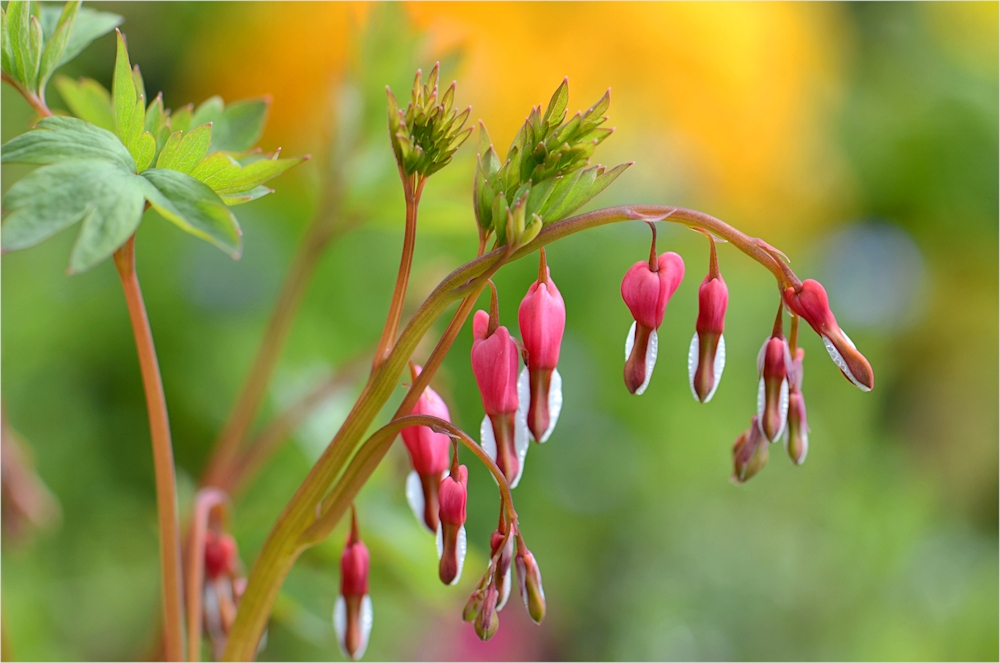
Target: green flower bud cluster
(427, 134)
(545, 175)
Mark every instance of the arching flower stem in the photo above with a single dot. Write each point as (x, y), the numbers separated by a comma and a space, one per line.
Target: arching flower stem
(206, 500)
(284, 543)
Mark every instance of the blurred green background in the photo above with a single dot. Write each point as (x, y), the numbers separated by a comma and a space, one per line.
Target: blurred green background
(862, 139)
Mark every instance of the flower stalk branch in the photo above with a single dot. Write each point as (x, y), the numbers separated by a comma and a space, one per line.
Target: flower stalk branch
(163, 455)
(207, 500)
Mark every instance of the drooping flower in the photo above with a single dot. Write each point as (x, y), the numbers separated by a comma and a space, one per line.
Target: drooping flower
(503, 542)
(811, 303)
(352, 614)
(504, 431)
(797, 432)
(542, 320)
(773, 364)
(646, 289)
(707, 354)
(223, 586)
(451, 538)
(428, 455)
(749, 453)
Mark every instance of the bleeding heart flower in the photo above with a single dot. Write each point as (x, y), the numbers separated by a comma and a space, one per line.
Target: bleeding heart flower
(352, 613)
(646, 289)
(542, 320)
(707, 354)
(811, 303)
(451, 539)
(428, 455)
(749, 453)
(504, 431)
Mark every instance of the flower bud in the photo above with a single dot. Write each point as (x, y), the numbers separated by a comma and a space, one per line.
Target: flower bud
(487, 621)
(501, 576)
(797, 432)
(772, 390)
(451, 538)
(707, 355)
(352, 613)
(646, 293)
(542, 320)
(811, 303)
(429, 456)
(504, 432)
(529, 580)
(220, 554)
(749, 453)
(473, 605)
(797, 439)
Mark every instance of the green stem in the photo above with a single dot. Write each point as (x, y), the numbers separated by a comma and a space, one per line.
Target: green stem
(413, 186)
(283, 544)
(163, 455)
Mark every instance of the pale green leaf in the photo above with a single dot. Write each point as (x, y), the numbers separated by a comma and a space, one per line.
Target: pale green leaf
(194, 207)
(50, 199)
(226, 175)
(209, 110)
(180, 120)
(57, 138)
(89, 25)
(232, 199)
(6, 54)
(118, 204)
(145, 151)
(33, 56)
(18, 18)
(140, 85)
(183, 154)
(123, 93)
(56, 43)
(87, 99)
(241, 126)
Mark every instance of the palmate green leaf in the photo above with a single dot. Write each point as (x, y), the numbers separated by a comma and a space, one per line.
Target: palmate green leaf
(129, 108)
(182, 152)
(145, 150)
(6, 54)
(87, 99)
(158, 123)
(59, 138)
(180, 119)
(33, 55)
(56, 41)
(194, 207)
(236, 127)
(50, 199)
(225, 175)
(105, 196)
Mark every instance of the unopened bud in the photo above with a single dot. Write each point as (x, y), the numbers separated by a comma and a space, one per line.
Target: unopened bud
(529, 580)
(488, 622)
(220, 554)
(472, 606)
(797, 440)
(352, 613)
(501, 575)
(451, 537)
(749, 453)
(707, 354)
(772, 392)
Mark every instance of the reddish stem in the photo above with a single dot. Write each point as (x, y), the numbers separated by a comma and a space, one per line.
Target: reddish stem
(163, 456)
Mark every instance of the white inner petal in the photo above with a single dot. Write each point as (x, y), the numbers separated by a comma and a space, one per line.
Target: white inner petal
(340, 623)
(782, 407)
(415, 497)
(523, 389)
(630, 341)
(555, 403)
(522, 439)
(650, 355)
(839, 361)
(693, 364)
(720, 365)
(210, 603)
(487, 441)
(439, 542)
(504, 591)
(366, 625)
(461, 547)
